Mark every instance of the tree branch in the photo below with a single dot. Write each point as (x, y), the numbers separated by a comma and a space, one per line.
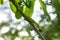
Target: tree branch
(30, 20)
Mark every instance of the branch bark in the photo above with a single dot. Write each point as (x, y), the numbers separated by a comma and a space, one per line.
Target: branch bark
(31, 21)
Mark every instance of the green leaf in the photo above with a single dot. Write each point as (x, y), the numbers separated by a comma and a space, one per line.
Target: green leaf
(17, 15)
(28, 4)
(29, 7)
(27, 11)
(1, 1)
(13, 8)
(17, 1)
(43, 6)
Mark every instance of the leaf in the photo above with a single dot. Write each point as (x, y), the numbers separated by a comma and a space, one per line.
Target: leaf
(17, 15)
(43, 6)
(28, 4)
(26, 11)
(13, 8)
(17, 1)
(29, 7)
(1, 1)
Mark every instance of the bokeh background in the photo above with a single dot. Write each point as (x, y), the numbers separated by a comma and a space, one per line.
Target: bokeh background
(19, 29)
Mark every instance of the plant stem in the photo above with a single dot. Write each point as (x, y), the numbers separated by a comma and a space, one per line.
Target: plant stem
(31, 21)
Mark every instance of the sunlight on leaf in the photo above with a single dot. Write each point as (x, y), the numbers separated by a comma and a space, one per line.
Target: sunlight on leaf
(29, 7)
(13, 8)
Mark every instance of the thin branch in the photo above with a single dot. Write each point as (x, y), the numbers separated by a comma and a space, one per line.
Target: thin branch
(30, 20)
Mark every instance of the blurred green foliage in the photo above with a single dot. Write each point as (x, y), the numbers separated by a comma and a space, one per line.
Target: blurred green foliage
(50, 31)
(1, 1)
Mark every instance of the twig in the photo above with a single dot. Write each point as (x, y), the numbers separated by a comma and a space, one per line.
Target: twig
(30, 20)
